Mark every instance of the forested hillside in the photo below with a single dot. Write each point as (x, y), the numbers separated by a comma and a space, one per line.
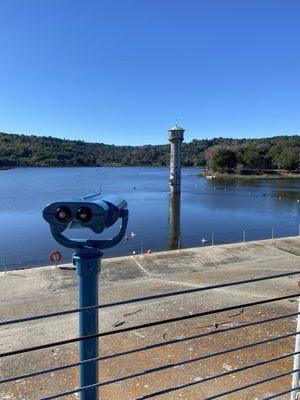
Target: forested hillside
(255, 156)
(23, 150)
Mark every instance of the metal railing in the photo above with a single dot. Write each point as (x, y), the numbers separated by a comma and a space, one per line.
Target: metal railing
(141, 245)
(167, 343)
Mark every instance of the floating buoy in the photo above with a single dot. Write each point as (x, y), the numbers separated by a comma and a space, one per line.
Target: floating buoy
(132, 234)
(204, 240)
(134, 252)
(298, 201)
(149, 251)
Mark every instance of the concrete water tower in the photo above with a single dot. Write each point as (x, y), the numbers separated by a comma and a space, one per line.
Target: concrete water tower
(175, 138)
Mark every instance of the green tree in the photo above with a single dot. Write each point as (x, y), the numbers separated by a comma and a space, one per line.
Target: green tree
(288, 159)
(255, 157)
(221, 159)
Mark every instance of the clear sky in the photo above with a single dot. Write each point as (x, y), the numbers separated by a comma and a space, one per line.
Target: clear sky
(123, 71)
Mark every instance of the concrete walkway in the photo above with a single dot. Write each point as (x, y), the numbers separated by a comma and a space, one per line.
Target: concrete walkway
(41, 290)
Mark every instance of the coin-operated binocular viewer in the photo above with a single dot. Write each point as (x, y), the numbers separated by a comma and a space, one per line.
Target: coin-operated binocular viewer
(96, 213)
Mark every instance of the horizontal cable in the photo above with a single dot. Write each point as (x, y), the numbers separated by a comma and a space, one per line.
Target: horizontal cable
(250, 385)
(148, 298)
(190, 361)
(147, 325)
(198, 336)
(206, 356)
(207, 379)
(281, 393)
(155, 345)
(234, 371)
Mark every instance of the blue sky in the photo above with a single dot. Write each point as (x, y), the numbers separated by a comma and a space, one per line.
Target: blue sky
(123, 71)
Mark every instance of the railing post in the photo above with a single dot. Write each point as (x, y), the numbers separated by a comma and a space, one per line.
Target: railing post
(142, 251)
(272, 233)
(296, 375)
(4, 264)
(244, 236)
(88, 268)
(212, 240)
(179, 243)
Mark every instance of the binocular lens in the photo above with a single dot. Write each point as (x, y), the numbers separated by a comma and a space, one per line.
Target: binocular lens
(84, 214)
(63, 214)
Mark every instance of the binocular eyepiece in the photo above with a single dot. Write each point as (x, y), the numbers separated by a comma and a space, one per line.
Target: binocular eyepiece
(94, 212)
(64, 214)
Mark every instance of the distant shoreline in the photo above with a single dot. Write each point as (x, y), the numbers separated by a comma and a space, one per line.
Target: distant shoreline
(232, 176)
(94, 166)
(40, 151)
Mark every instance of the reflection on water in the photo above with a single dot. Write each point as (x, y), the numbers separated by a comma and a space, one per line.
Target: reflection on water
(157, 221)
(174, 221)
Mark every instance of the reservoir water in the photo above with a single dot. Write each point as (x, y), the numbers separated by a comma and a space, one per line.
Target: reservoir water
(209, 210)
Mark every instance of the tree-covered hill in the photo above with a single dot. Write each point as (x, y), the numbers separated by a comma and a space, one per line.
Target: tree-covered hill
(23, 150)
(255, 156)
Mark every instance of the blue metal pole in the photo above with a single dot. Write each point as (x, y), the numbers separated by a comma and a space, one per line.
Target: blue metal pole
(87, 264)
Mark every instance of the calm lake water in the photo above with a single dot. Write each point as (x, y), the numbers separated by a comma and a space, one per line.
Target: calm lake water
(208, 207)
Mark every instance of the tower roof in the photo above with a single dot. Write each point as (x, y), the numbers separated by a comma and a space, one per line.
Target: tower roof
(176, 128)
